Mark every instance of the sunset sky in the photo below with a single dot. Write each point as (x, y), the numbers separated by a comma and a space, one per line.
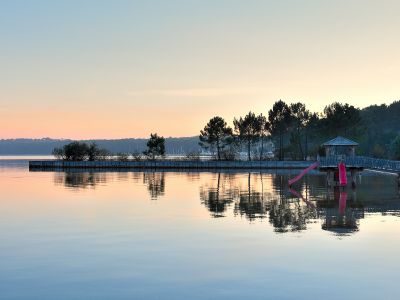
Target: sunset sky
(113, 69)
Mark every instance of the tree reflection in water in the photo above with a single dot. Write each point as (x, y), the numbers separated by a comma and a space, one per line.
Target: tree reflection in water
(264, 196)
(254, 199)
(155, 182)
(283, 212)
(217, 197)
(81, 180)
(258, 196)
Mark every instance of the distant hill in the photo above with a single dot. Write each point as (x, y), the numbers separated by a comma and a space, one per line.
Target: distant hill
(45, 146)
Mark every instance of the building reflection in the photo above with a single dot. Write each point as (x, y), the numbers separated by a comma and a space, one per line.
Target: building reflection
(341, 215)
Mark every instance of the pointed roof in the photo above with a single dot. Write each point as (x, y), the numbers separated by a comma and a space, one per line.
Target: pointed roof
(340, 141)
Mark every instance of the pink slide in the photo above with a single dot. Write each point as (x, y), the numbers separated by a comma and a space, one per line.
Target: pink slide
(298, 195)
(342, 174)
(304, 172)
(342, 202)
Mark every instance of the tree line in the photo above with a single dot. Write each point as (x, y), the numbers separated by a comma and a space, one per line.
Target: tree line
(298, 133)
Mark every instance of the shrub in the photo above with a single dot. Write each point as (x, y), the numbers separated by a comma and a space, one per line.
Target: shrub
(78, 151)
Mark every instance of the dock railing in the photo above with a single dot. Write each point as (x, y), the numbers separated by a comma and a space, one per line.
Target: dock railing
(169, 164)
(361, 162)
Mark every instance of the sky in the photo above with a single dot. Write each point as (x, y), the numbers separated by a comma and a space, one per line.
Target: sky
(116, 69)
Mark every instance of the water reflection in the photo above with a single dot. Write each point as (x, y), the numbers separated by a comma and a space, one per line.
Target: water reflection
(264, 197)
(80, 180)
(283, 212)
(155, 183)
(341, 215)
(218, 195)
(258, 196)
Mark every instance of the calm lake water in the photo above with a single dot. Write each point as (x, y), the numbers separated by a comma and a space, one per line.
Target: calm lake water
(190, 235)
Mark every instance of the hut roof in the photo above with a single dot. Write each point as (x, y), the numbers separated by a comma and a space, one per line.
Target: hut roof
(340, 141)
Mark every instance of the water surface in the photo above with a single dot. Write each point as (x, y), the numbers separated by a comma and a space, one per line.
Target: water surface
(191, 235)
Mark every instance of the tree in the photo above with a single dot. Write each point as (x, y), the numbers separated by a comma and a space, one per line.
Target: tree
(341, 119)
(216, 134)
(395, 147)
(59, 153)
(311, 128)
(248, 129)
(75, 151)
(265, 128)
(102, 154)
(300, 116)
(279, 118)
(93, 151)
(155, 146)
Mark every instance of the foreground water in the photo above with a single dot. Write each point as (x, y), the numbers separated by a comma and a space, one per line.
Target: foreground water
(174, 235)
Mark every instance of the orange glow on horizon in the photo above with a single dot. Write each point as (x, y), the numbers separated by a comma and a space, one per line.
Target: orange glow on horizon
(138, 72)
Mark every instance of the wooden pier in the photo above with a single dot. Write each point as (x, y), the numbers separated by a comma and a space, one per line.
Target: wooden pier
(342, 150)
(354, 164)
(165, 164)
(357, 164)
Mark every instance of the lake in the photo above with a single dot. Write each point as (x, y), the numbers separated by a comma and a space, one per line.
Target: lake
(195, 235)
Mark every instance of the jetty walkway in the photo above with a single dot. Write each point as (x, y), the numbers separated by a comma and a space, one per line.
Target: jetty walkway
(166, 164)
(355, 162)
(361, 162)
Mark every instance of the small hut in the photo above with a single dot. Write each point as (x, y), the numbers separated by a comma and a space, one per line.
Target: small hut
(336, 150)
(340, 146)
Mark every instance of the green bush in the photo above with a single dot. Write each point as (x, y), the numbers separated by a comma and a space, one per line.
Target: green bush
(78, 151)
